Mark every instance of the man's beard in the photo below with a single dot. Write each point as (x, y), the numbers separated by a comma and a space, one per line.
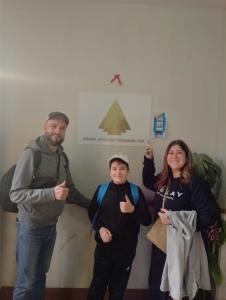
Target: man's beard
(53, 141)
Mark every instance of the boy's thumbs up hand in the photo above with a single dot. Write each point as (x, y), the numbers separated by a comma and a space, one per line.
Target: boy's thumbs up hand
(61, 191)
(126, 207)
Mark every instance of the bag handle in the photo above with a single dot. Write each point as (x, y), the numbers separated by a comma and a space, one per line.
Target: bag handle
(165, 196)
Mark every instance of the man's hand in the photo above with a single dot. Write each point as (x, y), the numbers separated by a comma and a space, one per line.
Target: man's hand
(61, 191)
(126, 207)
(105, 234)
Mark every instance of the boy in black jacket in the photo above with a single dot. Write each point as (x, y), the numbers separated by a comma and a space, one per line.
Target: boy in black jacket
(117, 226)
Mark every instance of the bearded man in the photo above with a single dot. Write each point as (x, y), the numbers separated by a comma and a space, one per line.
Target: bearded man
(40, 193)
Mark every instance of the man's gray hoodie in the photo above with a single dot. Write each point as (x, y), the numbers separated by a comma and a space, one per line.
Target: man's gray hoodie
(38, 207)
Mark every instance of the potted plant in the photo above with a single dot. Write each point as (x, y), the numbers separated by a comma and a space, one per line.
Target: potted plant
(208, 169)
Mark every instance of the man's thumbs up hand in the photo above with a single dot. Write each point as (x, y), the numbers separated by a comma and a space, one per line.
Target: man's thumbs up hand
(61, 191)
(126, 207)
(63, 184)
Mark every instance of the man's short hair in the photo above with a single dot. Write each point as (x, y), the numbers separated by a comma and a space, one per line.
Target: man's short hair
(58, 115)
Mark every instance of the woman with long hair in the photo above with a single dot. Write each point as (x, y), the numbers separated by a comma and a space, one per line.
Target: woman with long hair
(182, 190)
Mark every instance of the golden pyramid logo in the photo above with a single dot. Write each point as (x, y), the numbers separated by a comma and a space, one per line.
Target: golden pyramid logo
(114, 123)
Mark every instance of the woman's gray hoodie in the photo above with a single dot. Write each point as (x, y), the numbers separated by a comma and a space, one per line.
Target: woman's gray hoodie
(38, 207)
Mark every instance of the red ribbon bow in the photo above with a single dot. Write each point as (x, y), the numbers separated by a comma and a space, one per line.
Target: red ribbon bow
(116, 77)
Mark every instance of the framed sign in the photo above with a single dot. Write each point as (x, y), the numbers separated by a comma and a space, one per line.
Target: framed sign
(114, 119)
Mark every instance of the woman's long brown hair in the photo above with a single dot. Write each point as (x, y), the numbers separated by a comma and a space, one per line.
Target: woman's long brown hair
(166, 173)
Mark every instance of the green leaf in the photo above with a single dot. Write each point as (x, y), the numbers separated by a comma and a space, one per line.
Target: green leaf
(214, 269)
(222, 235)
(207, 168)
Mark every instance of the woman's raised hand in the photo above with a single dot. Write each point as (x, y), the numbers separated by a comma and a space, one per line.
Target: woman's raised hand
(148, 152)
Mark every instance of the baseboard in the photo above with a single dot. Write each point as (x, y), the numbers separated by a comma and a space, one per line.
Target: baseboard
(74, 294)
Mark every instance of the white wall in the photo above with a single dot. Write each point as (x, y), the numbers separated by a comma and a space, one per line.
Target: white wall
(222, 159)
(55, 49)
(222, 123)
(1, 118)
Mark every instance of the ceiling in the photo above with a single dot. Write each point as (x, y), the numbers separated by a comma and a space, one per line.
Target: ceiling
(218, 4)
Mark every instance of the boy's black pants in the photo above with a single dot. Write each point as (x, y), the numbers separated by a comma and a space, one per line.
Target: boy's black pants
(111, 271)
